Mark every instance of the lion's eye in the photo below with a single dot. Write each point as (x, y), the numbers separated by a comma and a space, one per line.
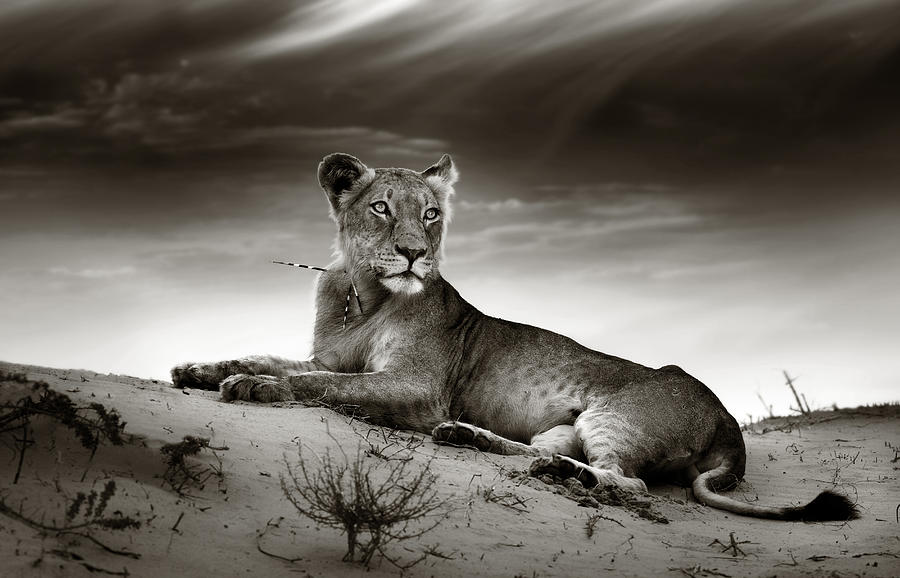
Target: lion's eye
(380, 207)
(431, 214)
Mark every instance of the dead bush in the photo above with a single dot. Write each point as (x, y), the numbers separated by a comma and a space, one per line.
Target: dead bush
(388, 502)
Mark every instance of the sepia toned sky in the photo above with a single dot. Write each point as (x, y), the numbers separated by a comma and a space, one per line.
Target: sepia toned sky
(710, 183)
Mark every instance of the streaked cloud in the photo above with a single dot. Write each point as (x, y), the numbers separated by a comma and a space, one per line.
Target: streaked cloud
(496, 206)
(60, 120)
(93, 273)
(564, 226)
(525, 237)
(325, 21)
(360, 139)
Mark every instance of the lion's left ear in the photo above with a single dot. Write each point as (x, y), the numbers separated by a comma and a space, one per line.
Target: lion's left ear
(441, 177)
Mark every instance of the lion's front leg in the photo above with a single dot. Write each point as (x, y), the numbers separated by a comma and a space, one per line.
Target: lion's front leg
(388, 398)
(198, 375)
(258, 388)
(210, 375)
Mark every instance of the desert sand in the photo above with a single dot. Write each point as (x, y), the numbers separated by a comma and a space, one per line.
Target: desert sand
(498, 522)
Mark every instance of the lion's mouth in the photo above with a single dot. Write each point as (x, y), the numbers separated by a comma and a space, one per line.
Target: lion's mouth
(408, 274)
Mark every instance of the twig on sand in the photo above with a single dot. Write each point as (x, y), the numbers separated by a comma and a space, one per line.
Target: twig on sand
(178, 521)
(92, 568)
(793, 560)
(433, 551)
(699, 570)
(125, 553)
(734, 545)
(888, 554)
(505, 499)
(259, 537)
(591, 523)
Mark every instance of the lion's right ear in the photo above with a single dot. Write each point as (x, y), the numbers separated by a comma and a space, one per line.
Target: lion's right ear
(342, 176)
(441, 177)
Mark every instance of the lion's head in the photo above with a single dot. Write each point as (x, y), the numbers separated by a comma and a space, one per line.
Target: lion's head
(391, 222)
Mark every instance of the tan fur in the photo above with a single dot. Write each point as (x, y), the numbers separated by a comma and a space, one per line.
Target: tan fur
(416, 355)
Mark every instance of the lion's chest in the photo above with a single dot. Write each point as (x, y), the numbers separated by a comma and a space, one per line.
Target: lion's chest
(371, 339)
(381, 349)
(362, 346)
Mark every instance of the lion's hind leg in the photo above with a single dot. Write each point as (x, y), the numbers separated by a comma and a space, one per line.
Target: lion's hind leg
(561, 439)
(457, 433)
(564, 467)
(607, 446)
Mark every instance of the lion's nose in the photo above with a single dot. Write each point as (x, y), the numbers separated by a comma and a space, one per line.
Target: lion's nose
(410, 253)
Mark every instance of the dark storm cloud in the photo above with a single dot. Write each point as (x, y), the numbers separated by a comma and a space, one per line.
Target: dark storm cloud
(645, 87)
(150, 114)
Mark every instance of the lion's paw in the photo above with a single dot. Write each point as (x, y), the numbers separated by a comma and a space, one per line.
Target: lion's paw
(196, 375)
(564, 467)
(462, 434)
(259, 388)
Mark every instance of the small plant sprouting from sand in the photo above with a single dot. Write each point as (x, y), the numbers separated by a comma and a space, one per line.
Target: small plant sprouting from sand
(733, 544)
(374, 506)
(83, 514)
(505, 499)
(180, 474)
(92, 423)
(85, 510)
(590, 525)
(388, 444)
(894, 448)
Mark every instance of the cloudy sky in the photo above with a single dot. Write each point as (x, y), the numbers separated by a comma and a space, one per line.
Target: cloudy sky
(711, 183)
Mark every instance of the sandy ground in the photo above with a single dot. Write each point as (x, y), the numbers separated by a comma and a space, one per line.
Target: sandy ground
(498, 524)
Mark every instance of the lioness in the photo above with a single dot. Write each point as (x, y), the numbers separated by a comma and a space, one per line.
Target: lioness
(412, 353)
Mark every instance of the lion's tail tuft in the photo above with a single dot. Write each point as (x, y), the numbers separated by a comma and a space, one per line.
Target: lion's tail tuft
(826, 506)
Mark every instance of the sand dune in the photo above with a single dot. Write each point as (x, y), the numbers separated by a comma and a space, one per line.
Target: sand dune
(498, 522)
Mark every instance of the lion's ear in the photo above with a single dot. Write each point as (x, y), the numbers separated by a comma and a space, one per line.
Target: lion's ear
(441, 174)
(441, 177)
(342, 176)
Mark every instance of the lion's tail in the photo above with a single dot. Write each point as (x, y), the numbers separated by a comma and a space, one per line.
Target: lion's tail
(826, 506)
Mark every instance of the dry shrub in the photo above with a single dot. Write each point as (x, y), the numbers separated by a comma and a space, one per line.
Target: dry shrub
(182, 475)
(92, 424)
(388, 501)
